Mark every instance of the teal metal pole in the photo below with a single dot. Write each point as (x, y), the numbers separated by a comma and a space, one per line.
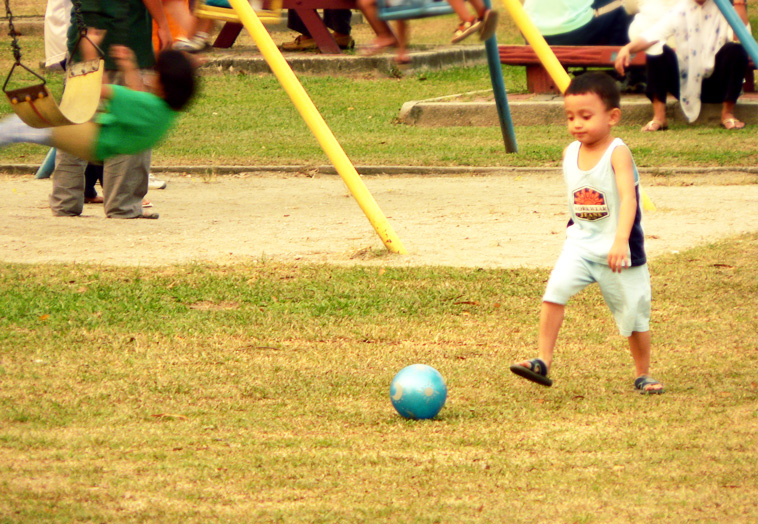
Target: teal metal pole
(498, 88)
(746, 39)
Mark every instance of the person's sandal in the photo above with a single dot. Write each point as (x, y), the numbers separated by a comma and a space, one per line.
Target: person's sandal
(654, 125)
(644, 385)
(536, 372)
(466, 29)
(489, 24)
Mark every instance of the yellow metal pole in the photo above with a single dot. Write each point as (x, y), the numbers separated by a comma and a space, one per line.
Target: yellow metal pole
(537, 41)
(318, 127)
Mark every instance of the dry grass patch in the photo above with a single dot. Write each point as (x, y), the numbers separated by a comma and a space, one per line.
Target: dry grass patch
(121, 400)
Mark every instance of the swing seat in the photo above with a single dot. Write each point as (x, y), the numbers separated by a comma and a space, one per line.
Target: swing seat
(222, 10)
(36, 106)
(407, 9)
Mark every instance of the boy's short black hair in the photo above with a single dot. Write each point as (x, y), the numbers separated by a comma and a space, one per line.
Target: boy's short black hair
(598, 83)
(177, 78)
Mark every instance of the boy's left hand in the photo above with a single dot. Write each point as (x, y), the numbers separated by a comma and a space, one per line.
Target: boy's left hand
(618, 259)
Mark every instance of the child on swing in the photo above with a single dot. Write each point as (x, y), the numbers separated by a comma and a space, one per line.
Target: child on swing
(604, 240)
(137, 116)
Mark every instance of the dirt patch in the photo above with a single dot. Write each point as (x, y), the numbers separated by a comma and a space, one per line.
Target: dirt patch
(467, 221)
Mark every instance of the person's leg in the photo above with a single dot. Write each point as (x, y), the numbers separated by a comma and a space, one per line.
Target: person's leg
(402, 31)
(551, 320)
(384, 36)
(724, 86)
(67, 196)
(662, 73)
(609, 29)
(92, 175)
(338, 20)
(13, 130)
(639, 345)
(570, 275)
(178, 10)
(295, 23)
(125, 180)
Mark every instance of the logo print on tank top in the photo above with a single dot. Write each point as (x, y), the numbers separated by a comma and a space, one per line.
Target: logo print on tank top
(589, 204)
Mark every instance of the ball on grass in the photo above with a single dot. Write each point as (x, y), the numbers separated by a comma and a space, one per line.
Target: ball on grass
(418, 392)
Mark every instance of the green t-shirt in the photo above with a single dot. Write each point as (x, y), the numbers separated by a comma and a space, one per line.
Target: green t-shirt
(127, 22)
(556, 17)
(134, 121)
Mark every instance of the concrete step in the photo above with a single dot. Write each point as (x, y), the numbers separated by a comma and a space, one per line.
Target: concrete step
(529, 110)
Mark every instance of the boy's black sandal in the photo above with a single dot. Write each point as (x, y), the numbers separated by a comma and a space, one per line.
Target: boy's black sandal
(642, 382)
(537, 372)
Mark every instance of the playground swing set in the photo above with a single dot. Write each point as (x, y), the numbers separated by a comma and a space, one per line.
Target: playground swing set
(35, 104)
(37, 108)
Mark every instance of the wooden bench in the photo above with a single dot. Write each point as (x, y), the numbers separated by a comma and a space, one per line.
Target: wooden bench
(307, 9)
(539, 81)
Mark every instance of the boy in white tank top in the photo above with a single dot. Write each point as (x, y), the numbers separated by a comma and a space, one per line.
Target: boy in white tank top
(604, 239)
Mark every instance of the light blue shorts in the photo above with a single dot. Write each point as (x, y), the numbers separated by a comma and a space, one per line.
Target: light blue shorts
(627, 293)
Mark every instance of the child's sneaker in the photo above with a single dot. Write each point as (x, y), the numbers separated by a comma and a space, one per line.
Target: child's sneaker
(199, 42)
(466, 29)
(488, 24)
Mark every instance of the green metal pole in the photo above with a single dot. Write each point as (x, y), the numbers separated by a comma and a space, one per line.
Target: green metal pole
(498, 88)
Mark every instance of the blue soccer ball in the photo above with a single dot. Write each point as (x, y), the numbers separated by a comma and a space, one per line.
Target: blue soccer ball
(418, 392)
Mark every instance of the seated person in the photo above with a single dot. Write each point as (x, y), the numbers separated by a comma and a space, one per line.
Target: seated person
(580, 22)
(707, 66)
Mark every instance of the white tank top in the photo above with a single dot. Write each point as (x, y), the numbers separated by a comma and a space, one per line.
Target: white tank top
(594, 206)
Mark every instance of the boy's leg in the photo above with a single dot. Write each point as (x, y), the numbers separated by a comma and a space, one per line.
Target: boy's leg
(569, 276)
(551, 320)
(125, 179)
(67, 196)
(639, 345)
(13, 130)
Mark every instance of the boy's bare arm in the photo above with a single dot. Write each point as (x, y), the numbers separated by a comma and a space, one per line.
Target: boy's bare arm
(124, 58)
(623, 167)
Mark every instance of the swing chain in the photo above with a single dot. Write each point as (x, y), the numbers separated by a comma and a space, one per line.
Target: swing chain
(12, 33)
(79, 18)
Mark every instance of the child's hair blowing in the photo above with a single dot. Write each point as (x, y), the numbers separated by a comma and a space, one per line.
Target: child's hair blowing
(177, 77)
(599, 84)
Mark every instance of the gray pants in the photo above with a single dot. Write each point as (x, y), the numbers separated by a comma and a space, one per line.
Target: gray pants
(125, 180)
(124, 185)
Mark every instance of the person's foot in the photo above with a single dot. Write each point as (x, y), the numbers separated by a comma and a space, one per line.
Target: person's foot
(344, 41)
(648, 386)
(154, 183)
(534, 370)
(730, 123)
(655, 125)
(196, 44)
(146, 203)
(94, 200)
(466, 29)
(379, 45)
(301, 43)
(149, 215)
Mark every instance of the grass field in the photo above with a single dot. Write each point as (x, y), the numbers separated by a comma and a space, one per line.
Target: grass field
(260, 392)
